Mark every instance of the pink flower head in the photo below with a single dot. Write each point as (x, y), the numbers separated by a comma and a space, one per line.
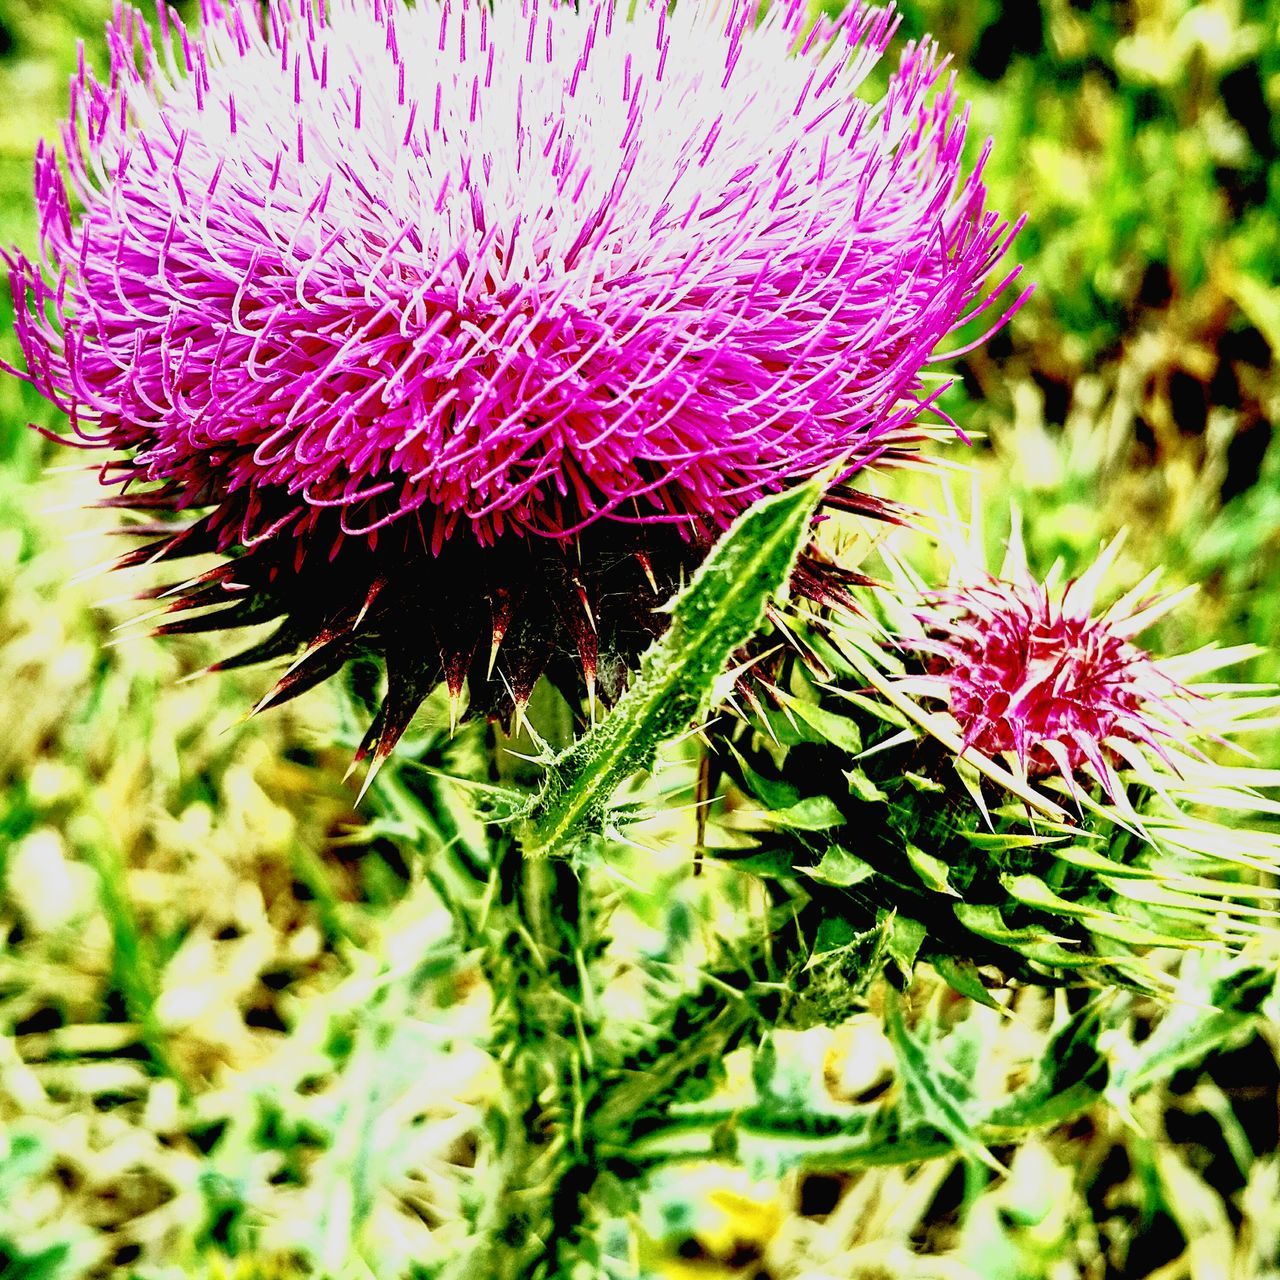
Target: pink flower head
(1029, 672)
(438, 277)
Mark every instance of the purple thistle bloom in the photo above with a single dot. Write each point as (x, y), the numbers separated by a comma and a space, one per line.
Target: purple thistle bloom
(441, 321)
(1028, 672)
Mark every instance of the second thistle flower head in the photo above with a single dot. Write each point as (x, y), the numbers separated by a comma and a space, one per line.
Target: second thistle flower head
(957, 720)
(442, 321)
(1031, 671)
(1032, 674)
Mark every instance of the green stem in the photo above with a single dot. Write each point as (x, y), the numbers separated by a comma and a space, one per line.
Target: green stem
(536, 1222)
(718, 612)
(566, 1110)
(537, 954)
(861, 1141)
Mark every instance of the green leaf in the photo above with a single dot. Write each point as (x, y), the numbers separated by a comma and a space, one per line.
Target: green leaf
(986, 921)
(932, 871)
(499, 803)
(921, 783)
(713, 617)
(773, 793)
(840, 868)
(863, 788)
(1072, 1076)
(1033, 892)
(813, 813)
(47, 1264)
(767, 862)
(1217, 1005)
(827, 726)
(933, 1093)
(962, 975)
(843, 965)
(905, 937)
(1001, 841)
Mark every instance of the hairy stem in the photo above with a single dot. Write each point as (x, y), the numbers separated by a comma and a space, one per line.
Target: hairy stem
(571, 1102)
(538, 951)
(535, 1223)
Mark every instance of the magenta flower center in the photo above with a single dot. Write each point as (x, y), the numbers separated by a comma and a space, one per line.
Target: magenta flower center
(1059, 690)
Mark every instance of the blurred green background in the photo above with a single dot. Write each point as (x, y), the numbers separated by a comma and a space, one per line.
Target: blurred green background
(220, 1051)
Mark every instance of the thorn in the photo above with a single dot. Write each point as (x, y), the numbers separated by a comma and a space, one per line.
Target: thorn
(743, 669)
(281, 686)
(702, 798)
(120, 641)
(177, 589)
(99, 570)
(753, 701)
(127, 597)
(236, 723)
(71, 468)
(379, 759)
(374, 591)
(78, 537)
(586, 603)
(63, 508)
(501, 607)
(192, 676)
(647, 565)
(129, 623)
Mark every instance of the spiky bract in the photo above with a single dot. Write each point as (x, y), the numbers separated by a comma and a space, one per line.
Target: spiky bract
(911, 793)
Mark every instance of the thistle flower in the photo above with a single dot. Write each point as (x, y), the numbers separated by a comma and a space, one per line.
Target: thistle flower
(461, 333)
(1030, 674)
(1001, 776)
(1037, 675)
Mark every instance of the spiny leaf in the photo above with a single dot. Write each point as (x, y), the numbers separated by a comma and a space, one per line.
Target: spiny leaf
(718, 612)
(962, 976)
(1036, 944)
(840, 731)
(840, 868)
(1034, 892)
(938, 1098)
(813, 813)
(1073, 1073)
(1219, 1003)
(931, 870)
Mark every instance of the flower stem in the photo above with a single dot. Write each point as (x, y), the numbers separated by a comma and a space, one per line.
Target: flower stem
(571, 1100)
(538, 954)
(536, 1221)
